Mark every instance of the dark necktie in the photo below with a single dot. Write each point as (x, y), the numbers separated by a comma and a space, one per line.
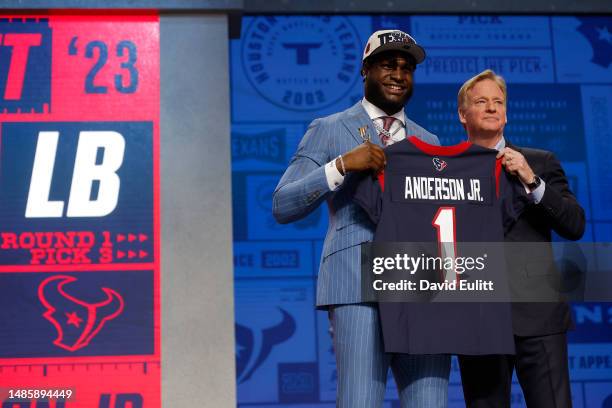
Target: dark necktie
(385, 137)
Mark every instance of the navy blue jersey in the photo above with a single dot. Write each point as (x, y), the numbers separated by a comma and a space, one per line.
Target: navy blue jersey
(433, 193)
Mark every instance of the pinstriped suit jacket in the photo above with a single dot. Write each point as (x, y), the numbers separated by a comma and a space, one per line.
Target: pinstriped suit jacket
(303, 187)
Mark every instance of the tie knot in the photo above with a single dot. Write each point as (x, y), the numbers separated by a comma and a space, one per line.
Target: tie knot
(387, 122)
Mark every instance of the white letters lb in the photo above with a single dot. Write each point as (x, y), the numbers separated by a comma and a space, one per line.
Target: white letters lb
(86, 171)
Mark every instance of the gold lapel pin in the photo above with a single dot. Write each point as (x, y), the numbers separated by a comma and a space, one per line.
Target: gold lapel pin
(363, 132)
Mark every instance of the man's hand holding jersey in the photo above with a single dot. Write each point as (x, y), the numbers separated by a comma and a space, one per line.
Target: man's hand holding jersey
(514, 163)
(366, 156)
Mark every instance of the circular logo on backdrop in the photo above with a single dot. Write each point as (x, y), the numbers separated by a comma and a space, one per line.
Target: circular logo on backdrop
(301, 63)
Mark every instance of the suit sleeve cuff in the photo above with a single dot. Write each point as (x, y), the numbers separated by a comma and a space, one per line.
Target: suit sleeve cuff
(334, 178)
(536, 194)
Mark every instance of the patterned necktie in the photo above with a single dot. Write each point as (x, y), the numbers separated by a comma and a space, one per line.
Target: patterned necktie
(385, 137)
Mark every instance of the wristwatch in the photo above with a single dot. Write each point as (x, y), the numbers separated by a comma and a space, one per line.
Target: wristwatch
(535, 183)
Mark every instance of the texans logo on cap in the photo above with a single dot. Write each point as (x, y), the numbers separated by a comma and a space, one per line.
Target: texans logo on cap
(439, 164)
(389, 40)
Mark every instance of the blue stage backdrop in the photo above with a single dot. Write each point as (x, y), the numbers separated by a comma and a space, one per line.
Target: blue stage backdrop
(288, 70)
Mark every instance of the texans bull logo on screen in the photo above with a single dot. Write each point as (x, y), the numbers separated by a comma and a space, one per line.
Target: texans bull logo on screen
(77, 322)
(254, 346)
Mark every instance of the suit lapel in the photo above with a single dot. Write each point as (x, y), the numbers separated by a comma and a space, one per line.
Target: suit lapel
(356, 118)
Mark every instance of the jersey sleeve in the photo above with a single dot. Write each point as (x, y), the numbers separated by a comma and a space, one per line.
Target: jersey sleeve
(514, 199)
(368, 195)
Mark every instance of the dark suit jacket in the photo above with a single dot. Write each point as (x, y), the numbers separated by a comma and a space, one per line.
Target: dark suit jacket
(557, 211)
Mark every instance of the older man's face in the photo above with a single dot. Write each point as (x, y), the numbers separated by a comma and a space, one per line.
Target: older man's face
(484, 114)
(388, 81)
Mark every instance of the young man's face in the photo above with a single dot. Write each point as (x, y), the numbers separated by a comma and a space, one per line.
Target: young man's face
(484, 114)
(388, 80)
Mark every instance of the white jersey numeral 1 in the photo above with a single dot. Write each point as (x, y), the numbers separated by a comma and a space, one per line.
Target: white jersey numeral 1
(444, 221)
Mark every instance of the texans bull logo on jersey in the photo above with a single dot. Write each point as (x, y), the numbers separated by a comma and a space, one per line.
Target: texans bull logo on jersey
(77, 322)
(439, 164)
(254, 346)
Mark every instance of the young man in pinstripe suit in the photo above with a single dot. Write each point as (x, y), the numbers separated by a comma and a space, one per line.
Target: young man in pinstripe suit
(332, 148)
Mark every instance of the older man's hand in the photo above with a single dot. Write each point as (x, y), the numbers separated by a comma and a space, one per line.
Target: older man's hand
(514, 163)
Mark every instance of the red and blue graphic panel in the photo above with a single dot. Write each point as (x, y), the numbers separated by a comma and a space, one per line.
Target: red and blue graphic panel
(79, 210)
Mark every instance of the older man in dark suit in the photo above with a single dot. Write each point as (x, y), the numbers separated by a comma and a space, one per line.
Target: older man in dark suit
(541, 359)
